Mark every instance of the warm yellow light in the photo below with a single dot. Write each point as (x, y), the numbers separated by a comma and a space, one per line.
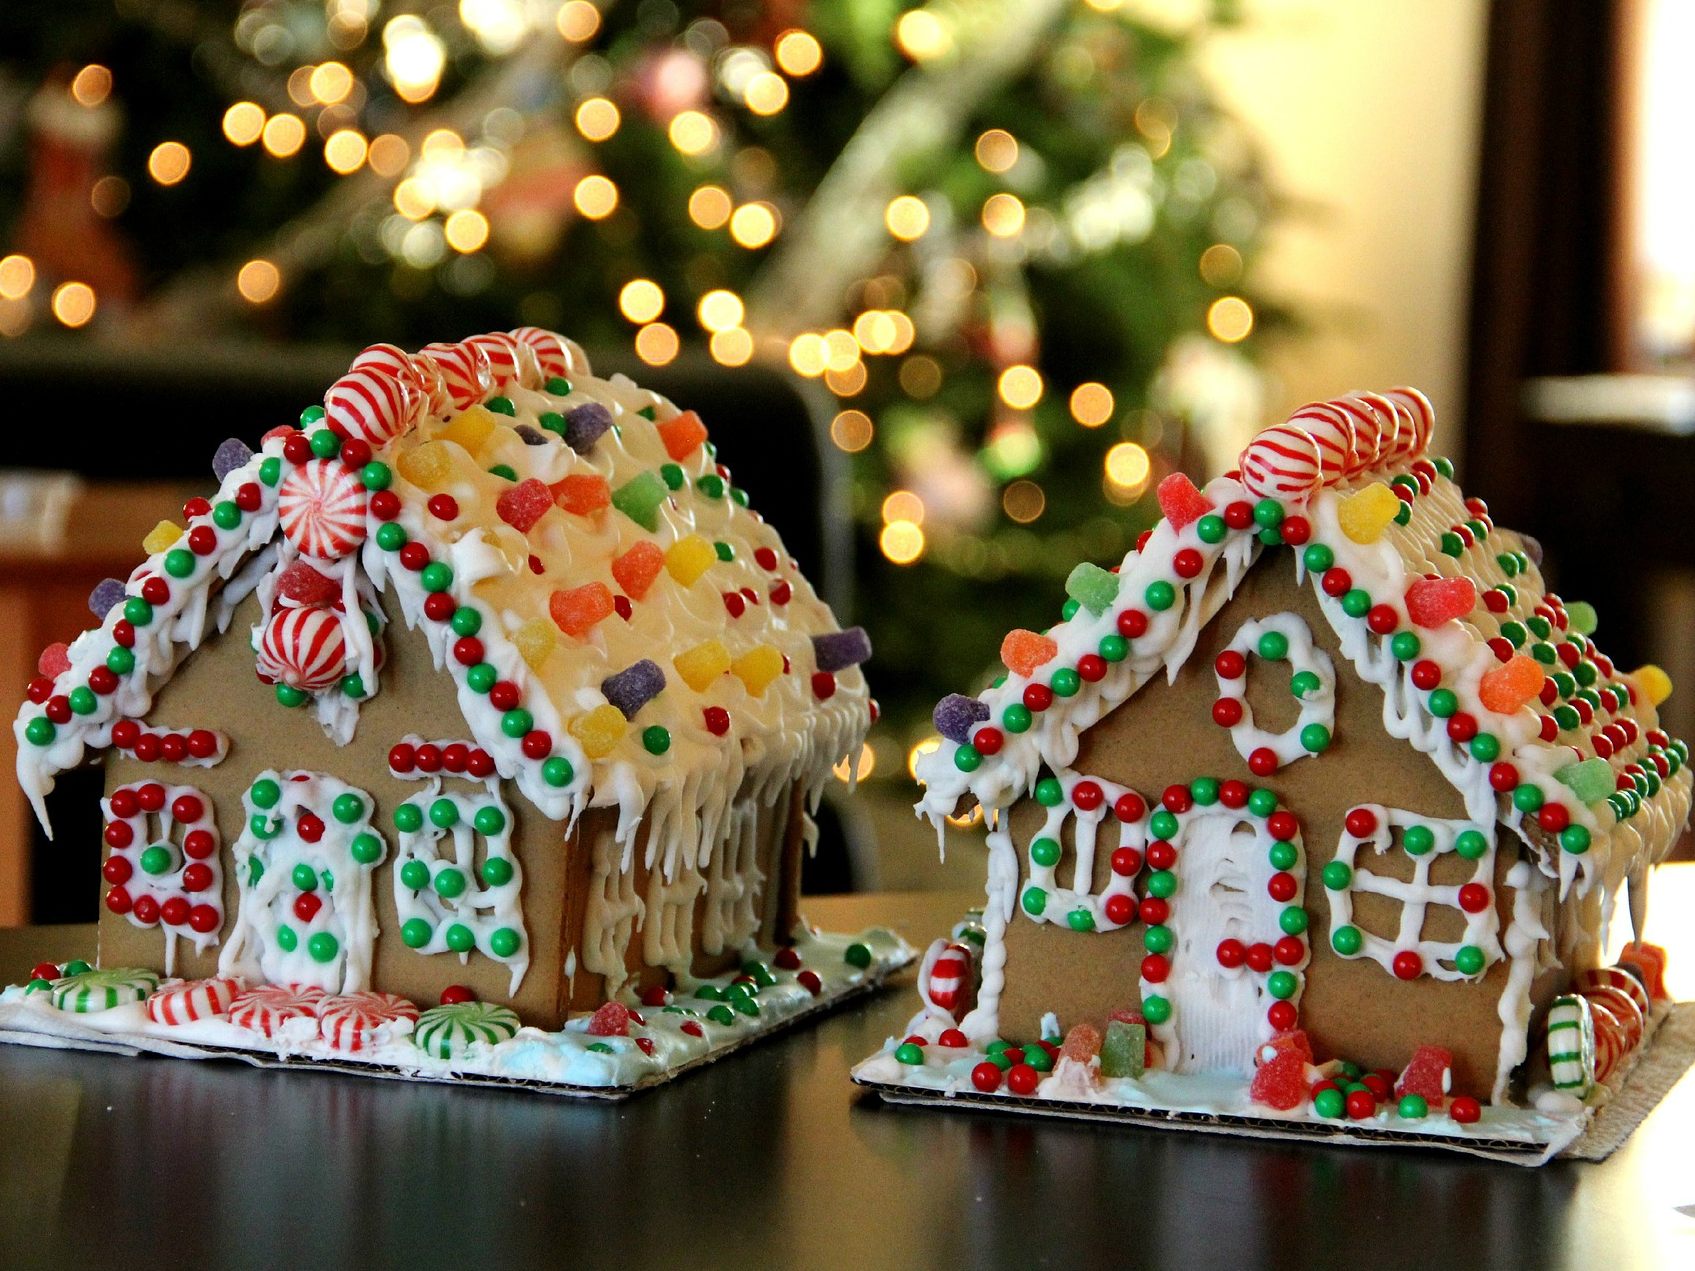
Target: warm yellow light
(413, 57)
(846, 383)
(466, 230)
(692, 132)
(1003, 215)
(389, 154)
(598, 118)
(331, 82)
(91, 85)
(903, 505)
(1091, 404)
(997, 150)
(243, 122)
(875, 331)
(852, 431)
(902, 542)
(1105, 6)
(443, 145)
(1230, 319)
(1221, 265)
(732, 346)
(905, 332)
(300, 86)
(710, 207)
(863, 765)
(798, 53)
(906, 217)
(110, 196)
(17, 276)
(73, 304)
(596, 197)
(1128, 466)
(925, 747)
(412, 199)
(498, 25)
(345, 151)
(656, 344)
(641, 300)
(808, 354)
(920, 376)
(720, 310)
(766, 93)
(841, 350)
(922, 35)
(283, 135)
(1020, 386)
(1024, 501)
(169, 162)
(258, 281)
(753, 225)
(577, 21)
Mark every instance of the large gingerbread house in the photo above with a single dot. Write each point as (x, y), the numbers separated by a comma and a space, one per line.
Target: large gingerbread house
(1320, 770)
(482, 691)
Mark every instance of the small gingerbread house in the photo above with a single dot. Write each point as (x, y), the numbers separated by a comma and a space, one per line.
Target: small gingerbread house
(483, 682)
(1320, 766)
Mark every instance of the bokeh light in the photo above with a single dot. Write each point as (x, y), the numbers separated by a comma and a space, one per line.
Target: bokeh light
(641, 300)
(798, 53)
(243, 122)
(1091, 404)
(906, 217)
(258, 281)
(74, 304)
(1230, 319)
(901, 542)
(657, 344)
(169, 162)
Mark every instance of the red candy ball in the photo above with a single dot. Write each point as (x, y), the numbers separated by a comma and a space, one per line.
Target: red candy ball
(1361, 1104)
(1289, 950)
(1361, 822)
(444, 507)
(117, 869)
(824, 688)
(1155, 967)
(1282, 886)
(401, 758)
(1227, 712)
(44, 971)
(1408, 964)
(1262, 762)
(1022, 1079)
(1382, 619)
(456, 993)
(1464, 1109)
(1282, 825)
(174, 911)
(1091, 667)
(1230, 664)
(118, 901)
(953, 1038)
(1281, 1016)
(309, 827)
(1126, 861)
(988, 741)
(204, 918)
(1474, 898)
(717, 720)
(986, 1077)
(1087, 795)
(1038, 697)
(1161, 855)
(1296, 530)
(1260, 957)
(197, 877)
(1132, 623)
(1129, 808)
(151, 797)
(1231, 953)
(1233, 794)
(1120, 909)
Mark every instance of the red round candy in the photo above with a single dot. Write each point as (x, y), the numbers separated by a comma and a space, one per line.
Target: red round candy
(1120, 909)
(1503, 777)
(952, 1038)
(117, 869)
(1230, 664)
(309, 827)
(1132, 623)
(147, 747)
(296, 449)
(1361, 822)
(1296, 530)
(1462, 727)
(1231, 953)
(197, 877)
(306, 906)
(145, 909)
(456, 993)
(1161, 855)
(1262, 762)
(1336, 582)
(1408, 964)
(385, 505)
(1382, 619)
(734, 604)
(1187, 563)
(455, 756)
(155, 591)
(1426, 674)
(125, 733)
(1289, 950)
(1126, 861)
(187, 808)
(175, 911)
(196, 506)
(1464, 1109)
(1038, 697)
(765, 558)
(151, 797)
(1176, 798)
(202, 743)
(782, 593)
(444, 507)
(124, 803)
(123, 632)
(44, 971)
(1155, 967)
(1361, 1104)
(439, 606)
(479, 764)
(1233, 794)
(717, 720)
(1553, 817)
(1239, 515)
(1129, 808)
(1227, 712)
(1282, 886)
(118, 900)
(1282, 825)
(808, 980)
(1022, 1079)
(1281, 1016)
(1087, 795)
(247, 497)
(1260, 957)
(119, 835)
(986, 1077)
(1154, 911)
(414, 556)
(401, 758)
(1474, 898)
(59, 709)
(504, 696)
(824, 688)
(202, 540)
(197, 845)
(1092, 667)
(1377, 1084)
(787, 959)
(468, 651)
(355, 452)
(537, 744)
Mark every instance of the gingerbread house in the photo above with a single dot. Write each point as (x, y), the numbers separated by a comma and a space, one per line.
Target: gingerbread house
(481, 692)
(1320, 769)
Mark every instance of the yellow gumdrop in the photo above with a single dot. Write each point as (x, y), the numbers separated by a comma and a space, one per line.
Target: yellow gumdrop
(1365, 514)
(688, 558)
(471, 429)
(161, 536)
(703, 664)
(428, 466)
(758, 667)
(599, 730)
(1652, 683)
(535, 640)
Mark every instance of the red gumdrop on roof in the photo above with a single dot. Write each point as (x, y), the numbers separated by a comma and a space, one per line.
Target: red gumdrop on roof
(1281, 1082)
(524, 504)
(55, 660)
(1180, 502)
(611, 1019)
(1433, 601)
(306, 587)
(1428, 1073)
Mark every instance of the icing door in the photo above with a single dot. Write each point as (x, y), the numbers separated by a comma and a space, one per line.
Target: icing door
(1218, 1012)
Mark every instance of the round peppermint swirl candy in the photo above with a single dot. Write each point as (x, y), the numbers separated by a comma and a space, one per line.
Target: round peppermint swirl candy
(465, 373)
(447, 1032)
(321, 506)
(303, 648)
(373, 404)
(502, 352)
(190, 1000)
(1283, 463)
(553, 358)
(350, 1021)
(267, 1007)
(102, 989)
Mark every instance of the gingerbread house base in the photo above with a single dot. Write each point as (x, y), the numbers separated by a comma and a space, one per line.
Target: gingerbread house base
(661, 1042)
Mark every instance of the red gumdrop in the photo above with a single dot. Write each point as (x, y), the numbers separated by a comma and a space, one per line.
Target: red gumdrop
(1180, 502)
(611, 1019)
(55, 660)
(524, 504)
(306, 588)
(1433, 601)
(1428, 1073)
(1293, 1042)
(1280, 1082)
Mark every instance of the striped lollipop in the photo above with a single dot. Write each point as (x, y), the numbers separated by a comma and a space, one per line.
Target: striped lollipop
(448, 1031)
(465, 372)
(303, 648)
(267, 1007)
(190, 1000)
(1283, 462)
(502, 353)
(102, 989)
(321, 506)
(349, 1021)
(373, 404)
(553, 358)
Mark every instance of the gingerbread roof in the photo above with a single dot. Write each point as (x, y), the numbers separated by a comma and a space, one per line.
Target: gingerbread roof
(1483, 669)
(616, 622)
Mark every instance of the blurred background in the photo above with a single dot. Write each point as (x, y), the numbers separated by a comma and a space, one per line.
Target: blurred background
(954, 283)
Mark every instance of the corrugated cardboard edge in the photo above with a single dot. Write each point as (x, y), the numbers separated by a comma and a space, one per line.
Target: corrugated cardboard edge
(1659, 1067)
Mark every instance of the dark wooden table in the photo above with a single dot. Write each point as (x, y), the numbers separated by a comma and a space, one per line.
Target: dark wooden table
(768, 1159)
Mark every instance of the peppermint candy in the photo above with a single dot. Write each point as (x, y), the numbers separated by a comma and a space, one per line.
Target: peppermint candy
(390, 359)
(350, 1021)
(373, 404)
(1613, 977)
(465, 372)
(267, 1007)
(950, 980)
(1332, 432)
(447, 1032)
(502, 353)
(321, 506)
(190, 1000)
(1423, 416)
(303, 648)
(553, 357)
(1283, 463)
(102, 989)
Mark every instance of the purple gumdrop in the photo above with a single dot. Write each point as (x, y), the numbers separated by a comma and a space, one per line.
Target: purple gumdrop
(838, 650)
(107, 592)
(1532, 549)
(585, 424)
(229, 456)
(956, 715)
(531, 436)
(633, 687)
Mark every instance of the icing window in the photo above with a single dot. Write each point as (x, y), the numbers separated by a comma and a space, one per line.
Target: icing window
(1093, 819)
(162, 863)
(1279, 639)
(1461, 850)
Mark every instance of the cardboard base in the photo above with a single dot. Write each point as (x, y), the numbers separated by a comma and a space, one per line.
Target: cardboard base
(547, 1063)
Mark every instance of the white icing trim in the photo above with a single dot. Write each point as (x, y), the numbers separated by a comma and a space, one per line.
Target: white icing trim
(1317, 707)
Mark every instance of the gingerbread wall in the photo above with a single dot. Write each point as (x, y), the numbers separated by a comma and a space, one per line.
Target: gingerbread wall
(1165, 735)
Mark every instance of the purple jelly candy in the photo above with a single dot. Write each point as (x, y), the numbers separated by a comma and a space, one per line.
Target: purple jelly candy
(107, 592)
(956, 715)
(633, 687)
(531, 436)
(229, 456)
(584, 425)
(1532, 549)
(838, 650)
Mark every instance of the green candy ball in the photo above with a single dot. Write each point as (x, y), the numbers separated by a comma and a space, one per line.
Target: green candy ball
(1080, 920)
(1468, 959)
(415, 933)
(858, 955)
(1274, 646)
(415, 875)
(156, 859)
(347, 808)
(466, 621)
(489, 821)
(1413, 1107)
(1470, 844)
(656, 739)
(366, 849)
(1156, 1009)
(1315, 738)
(408, 818)
(557, 771)
(323, 947)
(497, 871)
(910, 1054)
(1016, 718)
(1418, 839)
(288, 939)
(503, 942)
(304, 877)
(444, 814)
(1044, 852)
(460, 938)
(1347, 941)
(264, 793)
(1293, 920)
(1337, 875)
(1158, 939)
(1049, 792)
(1330, 1102)
(1035, 901)
(449, 883)
(1065, 682)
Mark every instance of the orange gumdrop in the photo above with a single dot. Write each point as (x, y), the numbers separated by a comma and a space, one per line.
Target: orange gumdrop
(582, 494)
(682, 434)
(636, 569)
(1023, 651)
(577, 609)
(1511, 685)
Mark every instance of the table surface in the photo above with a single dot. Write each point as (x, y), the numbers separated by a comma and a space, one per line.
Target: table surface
(769, 1158)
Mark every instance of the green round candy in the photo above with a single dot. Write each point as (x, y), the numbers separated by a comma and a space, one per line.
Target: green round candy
(1485, 747)
(466, 621)
(347, 808)
(264, 793)
(1318, 558)
(1293, 920)
(1283, 855)
(489, 821)
(1337, 875)
(156, 859)
(226, 515)
(1268, 514)
(1413, 1107)
(1065, 682)
(721, 1015)
(415, 875)
(1158, 939)
(516, 722)
(366, 849)
(908, 1053)
(1304, 683)
(967, 758)
(1330, 1102)
(1347, 941)
(76, 966)
(1044, 852)
(289, 696)
(450, 882)
(1273, 646)
(1405, 645)
(436, 576)
(444, 814)
(1035, 900)
(1315, 738)
(263, 827)
(1262, 802)
(270, 470)
(324, 443)
(1527, 798)
(1049, 792)
(1470, 844)
(711, 485)
(709, 993)
(670, 473)
(1162, 884)
(120, 661)
(1038, 1058)
(1211, 528)
(1156, 1009)
(1356, 603)
(415, 933)
(304, 877)
(391, 536)
(503, 942)
(376, 476)
(460, 938)
(1575, 839)
(1418, 839)
(1468, 959)
(1160, 595)
(996, 1047)
(557, 771)
(1080, 920)
(1281, 984)
(497, 871)
(288, 939)
(179, 562)
(858, 955)
(1016, 718)
(1113, 648)
(1204, 791)
(1442, 703)
(408, 818)
(137, 612)
(1163, 824)
(656, 739)
(1068, 610)
(353, 686)
(501, 406)
(40, 731)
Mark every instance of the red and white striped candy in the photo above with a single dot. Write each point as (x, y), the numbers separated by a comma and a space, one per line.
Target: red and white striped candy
(372, 404)
(1611, 1042)
(502, 353)
(552, 356)
(303, 648)
(267, 1007)
(1622, 1006)
(191, 1000)
(1613, 977)
(349, 1021)
(321, 506)
(1391, 424)
(950, 979)
(465, 371)
(1333, 432)
(390, 359)
(1423, 416)
(1283, 462)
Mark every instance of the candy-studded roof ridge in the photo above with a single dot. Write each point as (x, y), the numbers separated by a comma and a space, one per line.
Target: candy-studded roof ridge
(615, 617)
(1498, 680)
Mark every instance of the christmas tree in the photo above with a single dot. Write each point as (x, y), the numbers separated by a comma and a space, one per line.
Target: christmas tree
(1007, 237)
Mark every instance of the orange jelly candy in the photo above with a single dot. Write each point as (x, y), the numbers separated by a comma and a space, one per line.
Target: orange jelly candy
(682, 434)
(582, 494)
(636, 569)
(576, 610)
(1510, 685)
(1023, 651)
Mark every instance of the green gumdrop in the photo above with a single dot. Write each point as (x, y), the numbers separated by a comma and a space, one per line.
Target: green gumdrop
(1590, 780)
(1124, 1050)
(1092, 587)
(640, 499)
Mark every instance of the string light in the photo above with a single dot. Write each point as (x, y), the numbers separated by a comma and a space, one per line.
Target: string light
(345, 151)
(300, 87)
(732, 346)
(258, 281)
(852, 431)
(1020, 386)
(243, 122)
(641, 300)
(863, 765)
(412, 199)
(466, 230)
(1003, 215)
(1221, 265)
(74, 304)
(922, 35)
(656, 344)
(841, 350)
(710, 207)
(91, 85)
(808, 354)
(596, 197)
(17, 277)
(906, 217)
(766, 93)
(388, 155)
(330, 83)
(1024, 501)
(903, 505)
(901, 542)
(498, 25)
(1091, 404)
(996, 150)
(577, 21)
(169, 162)
(798, 53)
(1230, 319)
(1127, 469)
(598, 118)
(692, 132)
(720, 310)
(413, 58)
(443, 145)
(753, 225)
(283, 136)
